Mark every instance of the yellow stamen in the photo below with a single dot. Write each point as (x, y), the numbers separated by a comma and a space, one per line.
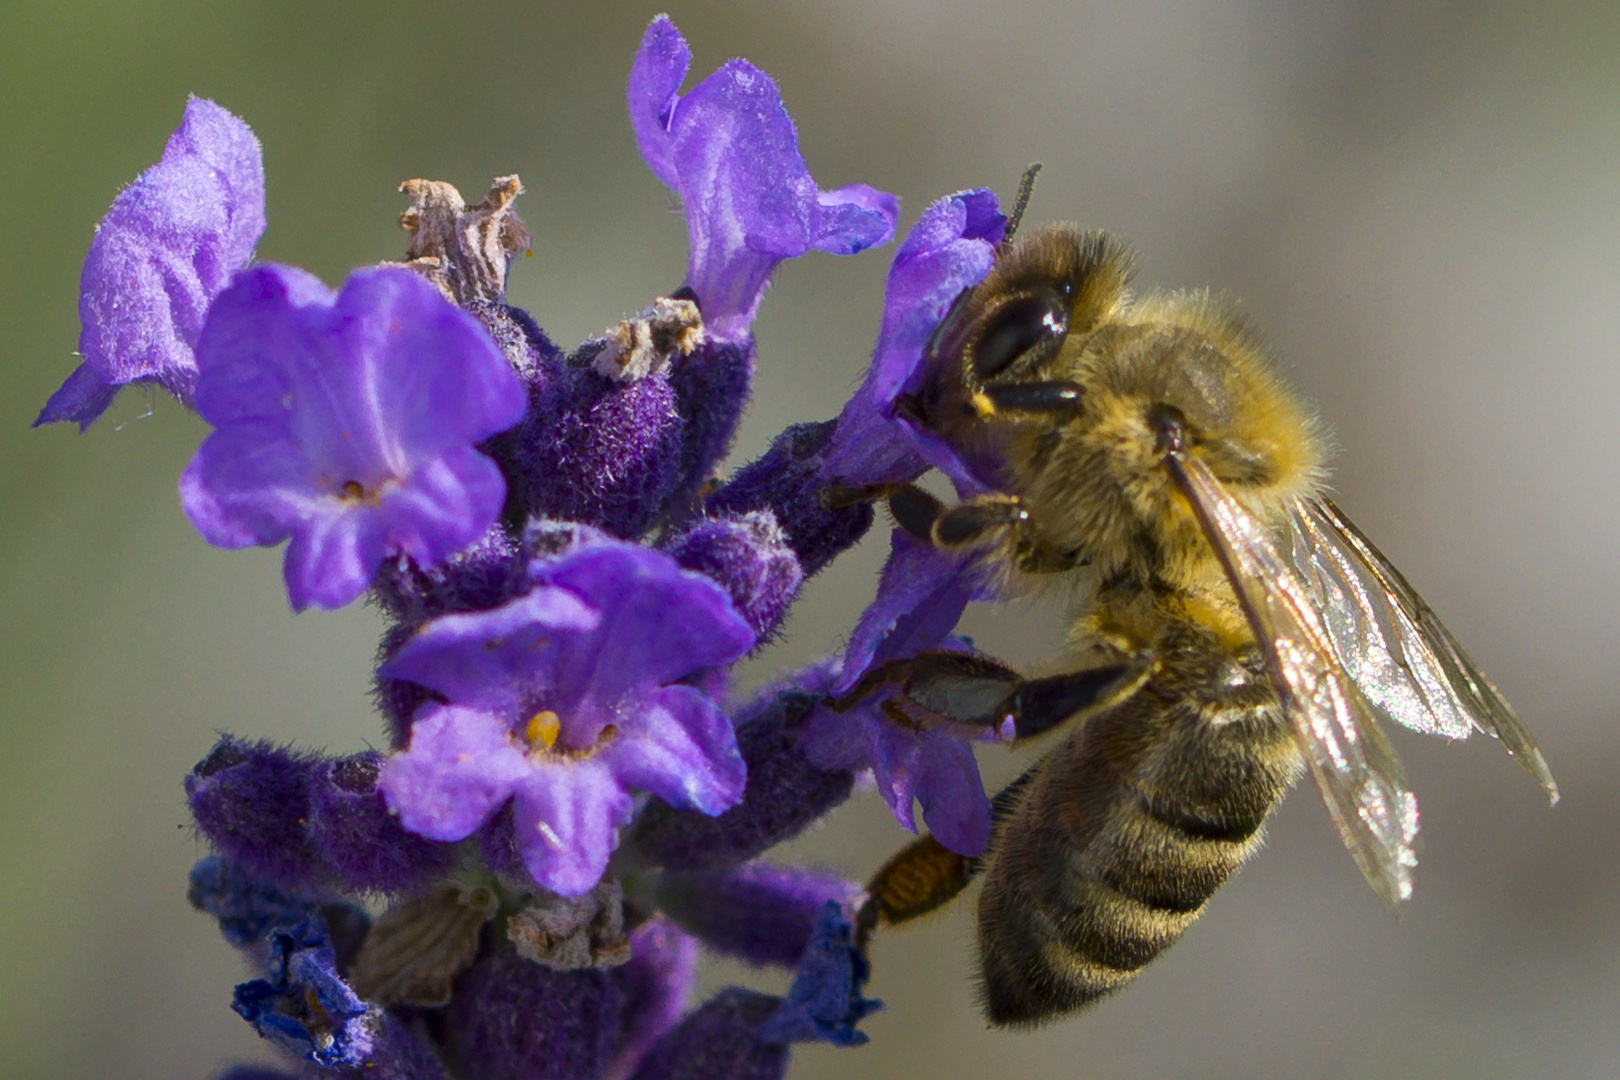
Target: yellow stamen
(982, 404)
(543, 729)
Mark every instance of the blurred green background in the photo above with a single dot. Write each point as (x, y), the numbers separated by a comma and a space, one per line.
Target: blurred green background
(1419, 203)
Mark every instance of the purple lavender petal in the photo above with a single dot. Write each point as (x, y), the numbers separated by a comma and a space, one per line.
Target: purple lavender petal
(165, 250)
(785, 793)
(729, 149)
(853, 218)
(83, 396)
(761, 913)
(681, 747)
(938, 770)
(347, 424)
(604, 623)
(461, 764)
(921, 596)
(659, 623)
(486, 659)
(655, 83)
(425, 516)
(656, 984)
(952, 795)
(566, 817)
(951, 248)
(896, 764)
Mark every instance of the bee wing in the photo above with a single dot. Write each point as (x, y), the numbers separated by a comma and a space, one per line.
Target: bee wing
(1353, 764)
(1392, 643)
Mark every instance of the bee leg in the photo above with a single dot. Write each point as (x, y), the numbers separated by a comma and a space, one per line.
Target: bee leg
(951, 686)
(973, 690)
(841, 496)
(1039, 705)
(941, 687)
(925, 875)
(913, 508)
(885, 674)
(1001, 520)
(967, 523)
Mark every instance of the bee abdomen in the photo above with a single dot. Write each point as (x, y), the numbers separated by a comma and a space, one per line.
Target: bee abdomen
(1101, 869)
(1230, 828)
(1044, 965)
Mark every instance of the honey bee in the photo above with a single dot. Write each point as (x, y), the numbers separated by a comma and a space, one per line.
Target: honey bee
(1243, 630)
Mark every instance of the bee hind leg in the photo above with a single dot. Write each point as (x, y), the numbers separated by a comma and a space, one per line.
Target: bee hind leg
(925, 875)
(922, 877)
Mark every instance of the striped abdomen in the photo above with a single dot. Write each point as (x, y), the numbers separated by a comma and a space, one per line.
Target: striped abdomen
(1119, 839)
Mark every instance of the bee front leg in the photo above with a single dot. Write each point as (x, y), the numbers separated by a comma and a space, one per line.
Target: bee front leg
(1000, 521)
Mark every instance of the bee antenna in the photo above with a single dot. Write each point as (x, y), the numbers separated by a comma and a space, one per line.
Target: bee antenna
(1026, 188)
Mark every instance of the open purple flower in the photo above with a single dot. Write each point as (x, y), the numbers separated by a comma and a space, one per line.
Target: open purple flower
(728, 148)
(920, 597)
(565, 701)
(347, 423)
(165, 250)
(951, 248)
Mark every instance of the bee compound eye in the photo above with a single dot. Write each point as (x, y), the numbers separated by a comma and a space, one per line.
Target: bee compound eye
(1015, 329)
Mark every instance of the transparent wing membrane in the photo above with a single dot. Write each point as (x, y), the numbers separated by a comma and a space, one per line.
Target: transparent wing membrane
(1336, 726)
(1393, 645)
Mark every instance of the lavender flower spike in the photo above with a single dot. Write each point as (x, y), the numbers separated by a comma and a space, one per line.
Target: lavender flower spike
(165, 250)
(347, 423)
(950, 249)
(728, 148)
(566, 700)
